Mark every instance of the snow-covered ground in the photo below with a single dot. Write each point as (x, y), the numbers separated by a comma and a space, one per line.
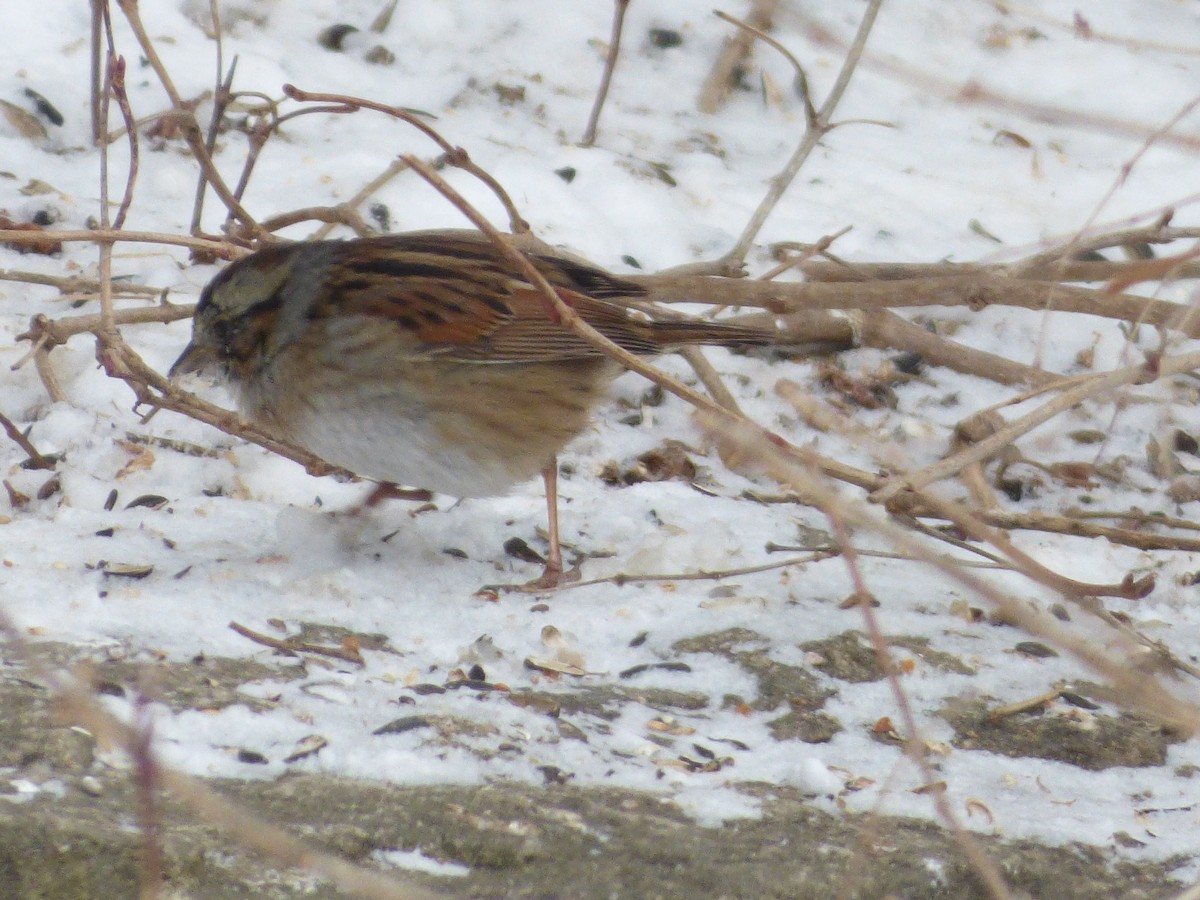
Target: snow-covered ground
(247, 537)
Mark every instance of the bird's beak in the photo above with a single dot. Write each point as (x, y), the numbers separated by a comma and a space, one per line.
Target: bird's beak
(194, 358)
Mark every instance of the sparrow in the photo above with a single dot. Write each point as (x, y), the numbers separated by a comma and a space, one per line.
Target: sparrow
(425, 358)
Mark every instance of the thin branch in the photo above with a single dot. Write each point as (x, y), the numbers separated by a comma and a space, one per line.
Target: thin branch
(755, 31)
(221, 97)
(36, 460)
(788, 466)
(152, 389)
(973, 291)
(973, 92)
(1093, 386)
(394, 168)
(294, 646)
(885, 330)
(623, 578)
(47, 333)
(96, 68)
(191, 128)
(342, 214)
(1072, 525)
(455, 156)
(219, 247)
(1043, 270)
(41, 362)
(710, 378)
(610, 64)
(720, 80)
(816, 130)
(80, 706)
(146, 771)
(114, 72)
(117, 82)
(76, 285)
(914, 747)
(1160, 231)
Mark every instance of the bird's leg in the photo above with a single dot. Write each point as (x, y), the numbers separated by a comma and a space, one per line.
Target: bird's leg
(385, 490)
(554, 564)
(553, 575)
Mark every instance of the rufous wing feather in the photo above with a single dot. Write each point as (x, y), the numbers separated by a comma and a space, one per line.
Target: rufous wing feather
(461, 301)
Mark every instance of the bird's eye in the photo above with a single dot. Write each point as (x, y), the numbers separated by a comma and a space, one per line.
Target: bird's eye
(224, 333)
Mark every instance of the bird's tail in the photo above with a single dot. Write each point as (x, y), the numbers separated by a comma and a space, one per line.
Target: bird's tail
(697, 332)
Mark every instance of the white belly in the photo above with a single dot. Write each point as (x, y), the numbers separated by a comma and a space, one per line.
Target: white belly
(387, 434)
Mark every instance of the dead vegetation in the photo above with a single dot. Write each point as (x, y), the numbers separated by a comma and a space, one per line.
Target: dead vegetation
(812, 295)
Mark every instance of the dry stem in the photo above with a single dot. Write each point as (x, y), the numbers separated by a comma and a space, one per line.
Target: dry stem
(976, 291)
(454, 156)
(610, 64)
(914, 748)
(819, 124)
(190, 127)
(720, 80)
(78, 705)
(977, 93)
(1097, 385)
(36, 460)
(793, 471)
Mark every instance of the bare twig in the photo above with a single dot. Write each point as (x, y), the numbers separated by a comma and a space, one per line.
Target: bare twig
(709, 378)
(96, 69)
(122, 98)
(221, 97)
(1093, 386)
(975, 93)
(342, 214)
(624, 578)
(973, 291)
(721, 77)
(114, 78)
(887, 331)
(191, 128)
(75, 285)
(293, 646)
(150, 388)
(1039, 269)
(46, 333)
(1072, 525)
(220, 248)
(455, 156)
(610, 64)
(1120, 179)
(41, 361)
(789, 468)
(36, 460)
(914, 748)
(146, 779)
(1094, 34)
(818, 126)
(394, 168)
(78, 705)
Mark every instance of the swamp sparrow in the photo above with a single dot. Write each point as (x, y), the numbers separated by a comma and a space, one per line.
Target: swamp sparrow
(424, 358)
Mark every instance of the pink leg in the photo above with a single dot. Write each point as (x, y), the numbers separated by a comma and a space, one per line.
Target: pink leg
(554, 564)
(553, 575)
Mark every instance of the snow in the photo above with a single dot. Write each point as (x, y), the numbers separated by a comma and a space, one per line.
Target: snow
(248, 537)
